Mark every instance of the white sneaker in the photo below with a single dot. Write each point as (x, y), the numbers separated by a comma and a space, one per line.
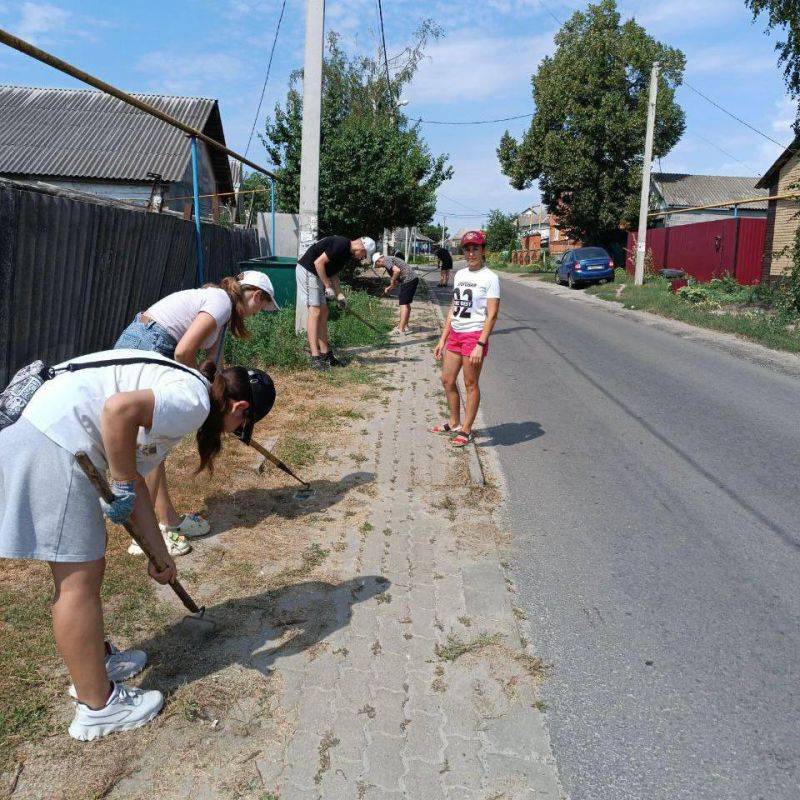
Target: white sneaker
(191, 526)
(126, 709)
(176, 545)
(120, 665)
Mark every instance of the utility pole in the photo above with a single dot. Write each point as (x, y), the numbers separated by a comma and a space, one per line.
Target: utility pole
(444, 225)
(309, 158)
(644, 201)
(405, 254)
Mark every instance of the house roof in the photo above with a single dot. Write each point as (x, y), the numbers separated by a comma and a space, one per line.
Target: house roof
(769, 177)
(80, 133)
(680, 190)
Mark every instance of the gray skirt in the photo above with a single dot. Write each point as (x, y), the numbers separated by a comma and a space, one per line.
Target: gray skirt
(49, 511)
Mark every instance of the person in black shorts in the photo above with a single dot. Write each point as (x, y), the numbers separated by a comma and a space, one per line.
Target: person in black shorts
(317, 277)
(445, 263)
(404, 276)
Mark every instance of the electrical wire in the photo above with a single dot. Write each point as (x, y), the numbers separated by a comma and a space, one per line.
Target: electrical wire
(469, 122)
(266, 79)
(733, 116)
(717, 147)
(385, 56)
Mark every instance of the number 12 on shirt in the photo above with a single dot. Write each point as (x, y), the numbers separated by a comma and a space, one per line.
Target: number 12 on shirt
(462, 303)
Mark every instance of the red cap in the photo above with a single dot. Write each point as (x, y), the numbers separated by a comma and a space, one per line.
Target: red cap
(473, 237)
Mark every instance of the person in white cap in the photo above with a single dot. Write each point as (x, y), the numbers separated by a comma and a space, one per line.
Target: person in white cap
(180, 326)
(404, 276)
(317, 275)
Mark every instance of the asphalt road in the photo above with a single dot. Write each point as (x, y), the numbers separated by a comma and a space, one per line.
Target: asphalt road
(655, 506)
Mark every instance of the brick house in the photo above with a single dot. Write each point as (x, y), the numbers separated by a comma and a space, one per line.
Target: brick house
(783, 177)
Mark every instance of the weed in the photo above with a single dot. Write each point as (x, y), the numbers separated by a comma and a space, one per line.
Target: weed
(296, 451)
(540, 705)
(455, 647)
(465, 621)
(328, 741)
(383, 598)
(366, 527)
(368, 710)
(376, 648)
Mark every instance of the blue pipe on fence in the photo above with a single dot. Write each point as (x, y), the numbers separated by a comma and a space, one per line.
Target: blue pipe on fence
(198, 229)
(272, 206)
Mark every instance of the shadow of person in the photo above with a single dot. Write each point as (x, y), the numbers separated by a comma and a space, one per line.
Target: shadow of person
(501, 331)
(508, 433)
(256, 631)
(248, 508)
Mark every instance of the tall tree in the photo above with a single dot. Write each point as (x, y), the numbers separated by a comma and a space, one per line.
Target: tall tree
(785, 15)
(376, 171)
(501, 230)
(585, 144)
(434, 231)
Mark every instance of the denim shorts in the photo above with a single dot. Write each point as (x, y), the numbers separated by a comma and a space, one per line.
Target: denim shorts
(147, 336)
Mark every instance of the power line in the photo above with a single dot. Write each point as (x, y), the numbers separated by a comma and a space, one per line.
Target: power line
(264, 88)
(385, 56)
(717, 147)
(733, 116)
(459, 203)
(469, 122)
(545, 8)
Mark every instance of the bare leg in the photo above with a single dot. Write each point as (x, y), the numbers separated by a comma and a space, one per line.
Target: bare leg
(78, 627)
(473, 399)
(159, 491)
(322, 330)
(313, 324)
(405, 313)
(451, 366)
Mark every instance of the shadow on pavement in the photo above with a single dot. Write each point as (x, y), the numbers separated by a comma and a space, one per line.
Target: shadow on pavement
(258, 630)
(508, 433)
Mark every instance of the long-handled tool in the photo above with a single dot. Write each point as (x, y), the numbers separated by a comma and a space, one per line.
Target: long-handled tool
(361, 319)
(306, 492)
(104, 490)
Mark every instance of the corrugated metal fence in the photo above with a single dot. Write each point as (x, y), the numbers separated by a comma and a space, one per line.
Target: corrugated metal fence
(74, 272)
(707, 250)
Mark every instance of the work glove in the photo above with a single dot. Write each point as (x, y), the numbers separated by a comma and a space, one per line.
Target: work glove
(341, 300)
(329, 293)
(120, 509)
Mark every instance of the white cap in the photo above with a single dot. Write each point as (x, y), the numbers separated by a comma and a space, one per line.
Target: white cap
(258, 280)
(369, 245)
(376, 257)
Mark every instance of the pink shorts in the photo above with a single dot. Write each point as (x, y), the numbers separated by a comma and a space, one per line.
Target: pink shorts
(464, 343)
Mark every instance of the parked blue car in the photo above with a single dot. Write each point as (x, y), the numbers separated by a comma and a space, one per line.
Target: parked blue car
(583, 266)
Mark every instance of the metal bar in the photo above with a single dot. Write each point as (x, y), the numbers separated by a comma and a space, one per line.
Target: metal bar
(201, 277)
(745, 201)
(57, 63)
(272, 206)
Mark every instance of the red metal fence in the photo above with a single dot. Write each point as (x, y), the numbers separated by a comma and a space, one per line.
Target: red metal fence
(707, 250)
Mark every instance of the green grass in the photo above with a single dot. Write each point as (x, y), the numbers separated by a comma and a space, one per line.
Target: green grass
(518, 269)
(748, 320)
(274, 342)
(296, 451)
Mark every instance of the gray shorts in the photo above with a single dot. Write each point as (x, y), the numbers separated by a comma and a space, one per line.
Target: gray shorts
(310, 289)
(49, 511)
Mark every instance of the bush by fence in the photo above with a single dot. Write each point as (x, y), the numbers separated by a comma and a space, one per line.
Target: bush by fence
(74, 271)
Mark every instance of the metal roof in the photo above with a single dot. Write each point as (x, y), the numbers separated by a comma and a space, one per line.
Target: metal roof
(685, 191)
(81, 133)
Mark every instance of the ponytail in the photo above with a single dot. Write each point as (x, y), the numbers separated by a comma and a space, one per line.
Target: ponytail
(227, 385)
(236, 294)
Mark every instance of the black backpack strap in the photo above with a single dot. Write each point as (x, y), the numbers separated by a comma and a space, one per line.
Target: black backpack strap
(113, 362)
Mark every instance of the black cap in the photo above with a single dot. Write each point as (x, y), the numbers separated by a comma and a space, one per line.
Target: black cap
(262, 398)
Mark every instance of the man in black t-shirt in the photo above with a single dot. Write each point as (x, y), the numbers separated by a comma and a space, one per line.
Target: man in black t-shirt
(445, 265)
(317, 276)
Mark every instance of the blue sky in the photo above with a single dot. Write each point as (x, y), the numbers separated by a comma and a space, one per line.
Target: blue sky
(481, 69)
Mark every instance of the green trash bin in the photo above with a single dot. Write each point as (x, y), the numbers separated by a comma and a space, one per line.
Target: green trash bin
(280, 270)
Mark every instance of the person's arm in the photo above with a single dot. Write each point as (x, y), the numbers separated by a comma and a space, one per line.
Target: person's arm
(191, 342)
(395, 282)
(319, 265)
(122, 416)
(437, 353)
(492, 309)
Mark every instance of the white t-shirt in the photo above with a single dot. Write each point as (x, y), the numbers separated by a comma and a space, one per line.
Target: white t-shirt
(471, 290)
(177, 311)
(67, 408)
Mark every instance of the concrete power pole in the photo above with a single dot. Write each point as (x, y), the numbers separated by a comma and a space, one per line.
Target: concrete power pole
(312, 112)
(644, 201)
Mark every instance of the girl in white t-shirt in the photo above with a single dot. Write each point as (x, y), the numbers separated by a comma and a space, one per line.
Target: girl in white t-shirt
(465, 339)
(126, 417)
(179, 326)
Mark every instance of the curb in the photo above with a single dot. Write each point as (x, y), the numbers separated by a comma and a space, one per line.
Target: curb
(476, 473)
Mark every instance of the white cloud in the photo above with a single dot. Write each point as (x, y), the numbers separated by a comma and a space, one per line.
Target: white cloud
(734, 58)
(38, 20)
(471, 67)
(196, 74)
(683, 15)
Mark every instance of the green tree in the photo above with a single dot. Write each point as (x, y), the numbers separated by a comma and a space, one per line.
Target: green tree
(376, 171)
(585, 144)
(784, 14)
(501, 231)
(434, 231)
(256, 189)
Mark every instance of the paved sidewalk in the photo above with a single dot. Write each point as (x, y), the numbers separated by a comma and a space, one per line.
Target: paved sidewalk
(391, 708)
